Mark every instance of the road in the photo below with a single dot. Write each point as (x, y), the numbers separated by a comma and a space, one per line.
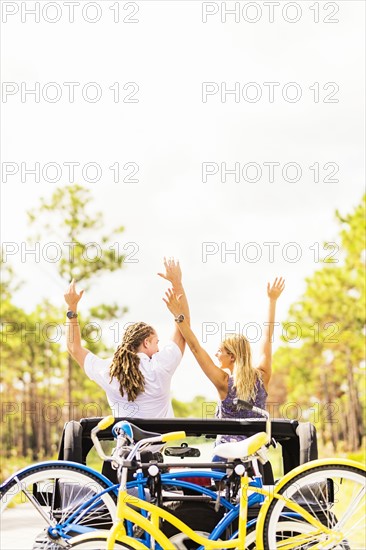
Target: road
(19, 528)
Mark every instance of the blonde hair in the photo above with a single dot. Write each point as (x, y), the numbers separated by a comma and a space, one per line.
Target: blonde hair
(125, 364)
(245, 375)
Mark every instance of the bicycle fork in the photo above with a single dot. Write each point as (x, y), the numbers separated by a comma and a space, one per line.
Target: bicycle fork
(243, 510)
(34, 502)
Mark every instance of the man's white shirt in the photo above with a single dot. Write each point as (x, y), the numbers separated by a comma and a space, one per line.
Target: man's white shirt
(158, 370)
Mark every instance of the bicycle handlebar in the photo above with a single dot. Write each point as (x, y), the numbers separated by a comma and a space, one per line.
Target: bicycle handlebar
(105, 422)
(160, 439)
(172, 436)
(108, 420)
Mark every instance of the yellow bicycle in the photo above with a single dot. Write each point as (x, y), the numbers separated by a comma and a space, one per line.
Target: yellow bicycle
(318, 505)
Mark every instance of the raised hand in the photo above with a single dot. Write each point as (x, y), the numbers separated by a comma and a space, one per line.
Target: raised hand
(173, 302)
(276, 289)
(173, 272)
(72, 297)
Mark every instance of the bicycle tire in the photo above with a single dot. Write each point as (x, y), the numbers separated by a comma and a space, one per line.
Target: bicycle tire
(201, 517)
(333, 493)
(284, 530)
(182, 542)
(58, 489)
(97, 542)
(204, 522)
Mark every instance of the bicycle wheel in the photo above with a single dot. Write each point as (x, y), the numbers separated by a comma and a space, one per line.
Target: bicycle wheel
(333, 493)
(56, 491)
(284, 530)
(96, 541)
(202, 518)
(182, 542)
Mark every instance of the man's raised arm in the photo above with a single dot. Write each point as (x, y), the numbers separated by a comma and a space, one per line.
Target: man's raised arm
(73, 335)
(173, 274)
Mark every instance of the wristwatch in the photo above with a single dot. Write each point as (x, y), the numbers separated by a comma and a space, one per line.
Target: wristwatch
(180, 318)
(71, 314)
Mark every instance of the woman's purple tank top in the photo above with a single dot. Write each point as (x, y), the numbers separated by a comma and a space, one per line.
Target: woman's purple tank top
(227, 409)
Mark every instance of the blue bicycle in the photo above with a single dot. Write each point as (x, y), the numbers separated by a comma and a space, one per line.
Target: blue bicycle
(43, 506)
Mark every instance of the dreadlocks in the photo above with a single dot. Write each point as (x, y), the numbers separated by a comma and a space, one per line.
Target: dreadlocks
(125, 364)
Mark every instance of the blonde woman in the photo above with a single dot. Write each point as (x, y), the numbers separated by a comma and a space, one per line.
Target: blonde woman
(236, 376)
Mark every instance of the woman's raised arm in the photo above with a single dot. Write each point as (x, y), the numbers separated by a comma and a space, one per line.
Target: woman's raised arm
(217, 376)
(265, 362)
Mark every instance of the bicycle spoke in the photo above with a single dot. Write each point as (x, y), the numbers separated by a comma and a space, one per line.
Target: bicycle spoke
(59, 498)
(333, 495)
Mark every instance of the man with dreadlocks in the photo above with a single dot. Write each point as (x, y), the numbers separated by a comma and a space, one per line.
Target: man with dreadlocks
(137, 379)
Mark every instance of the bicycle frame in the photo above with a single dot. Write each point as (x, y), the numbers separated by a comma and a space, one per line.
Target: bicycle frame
(151, 526)
(177, 479)
(125, 512)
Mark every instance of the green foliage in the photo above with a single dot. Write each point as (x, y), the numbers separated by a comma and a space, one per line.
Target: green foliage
(326, 368)
(199, 407)
(68, 218)
(41, 387)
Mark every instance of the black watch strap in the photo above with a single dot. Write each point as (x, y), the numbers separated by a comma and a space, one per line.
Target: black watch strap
(71, 314)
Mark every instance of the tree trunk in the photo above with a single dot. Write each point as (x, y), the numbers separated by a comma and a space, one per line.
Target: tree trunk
(47, 400)
(333, 415)
(35, 419)
(34, 410)
(9, 436)
(23, 420)
(325, 400)
(355, 425)
(69, 389)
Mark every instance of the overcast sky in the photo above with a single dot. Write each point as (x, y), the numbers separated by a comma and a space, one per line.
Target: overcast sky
(292, 126)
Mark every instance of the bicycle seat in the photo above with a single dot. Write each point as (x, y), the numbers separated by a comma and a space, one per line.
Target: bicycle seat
(241, 449)
(139, 434)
